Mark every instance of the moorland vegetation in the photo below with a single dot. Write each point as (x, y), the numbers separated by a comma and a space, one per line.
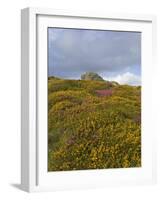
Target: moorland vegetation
(93, 124)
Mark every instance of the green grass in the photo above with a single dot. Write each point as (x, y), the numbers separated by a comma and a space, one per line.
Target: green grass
(88, 131)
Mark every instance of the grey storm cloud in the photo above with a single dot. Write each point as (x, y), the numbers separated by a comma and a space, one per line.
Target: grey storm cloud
(75, 51)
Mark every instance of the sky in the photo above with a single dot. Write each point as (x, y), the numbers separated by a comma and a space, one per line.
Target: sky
(114, 55)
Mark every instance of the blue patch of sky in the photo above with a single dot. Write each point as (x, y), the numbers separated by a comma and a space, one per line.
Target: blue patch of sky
(72, 52)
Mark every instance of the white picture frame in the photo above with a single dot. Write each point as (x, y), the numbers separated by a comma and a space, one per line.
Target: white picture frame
(34, 175)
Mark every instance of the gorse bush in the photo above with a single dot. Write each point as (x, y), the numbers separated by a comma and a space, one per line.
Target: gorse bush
(91, 131)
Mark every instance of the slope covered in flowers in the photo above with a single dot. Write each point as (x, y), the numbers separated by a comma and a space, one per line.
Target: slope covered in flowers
(93, 125)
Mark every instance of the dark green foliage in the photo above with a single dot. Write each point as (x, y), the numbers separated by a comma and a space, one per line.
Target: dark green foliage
(88, 131)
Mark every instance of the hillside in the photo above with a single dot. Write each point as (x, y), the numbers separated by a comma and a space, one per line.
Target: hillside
(93, 125)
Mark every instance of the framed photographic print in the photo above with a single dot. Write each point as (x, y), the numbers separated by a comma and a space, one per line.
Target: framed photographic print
(86, 99)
